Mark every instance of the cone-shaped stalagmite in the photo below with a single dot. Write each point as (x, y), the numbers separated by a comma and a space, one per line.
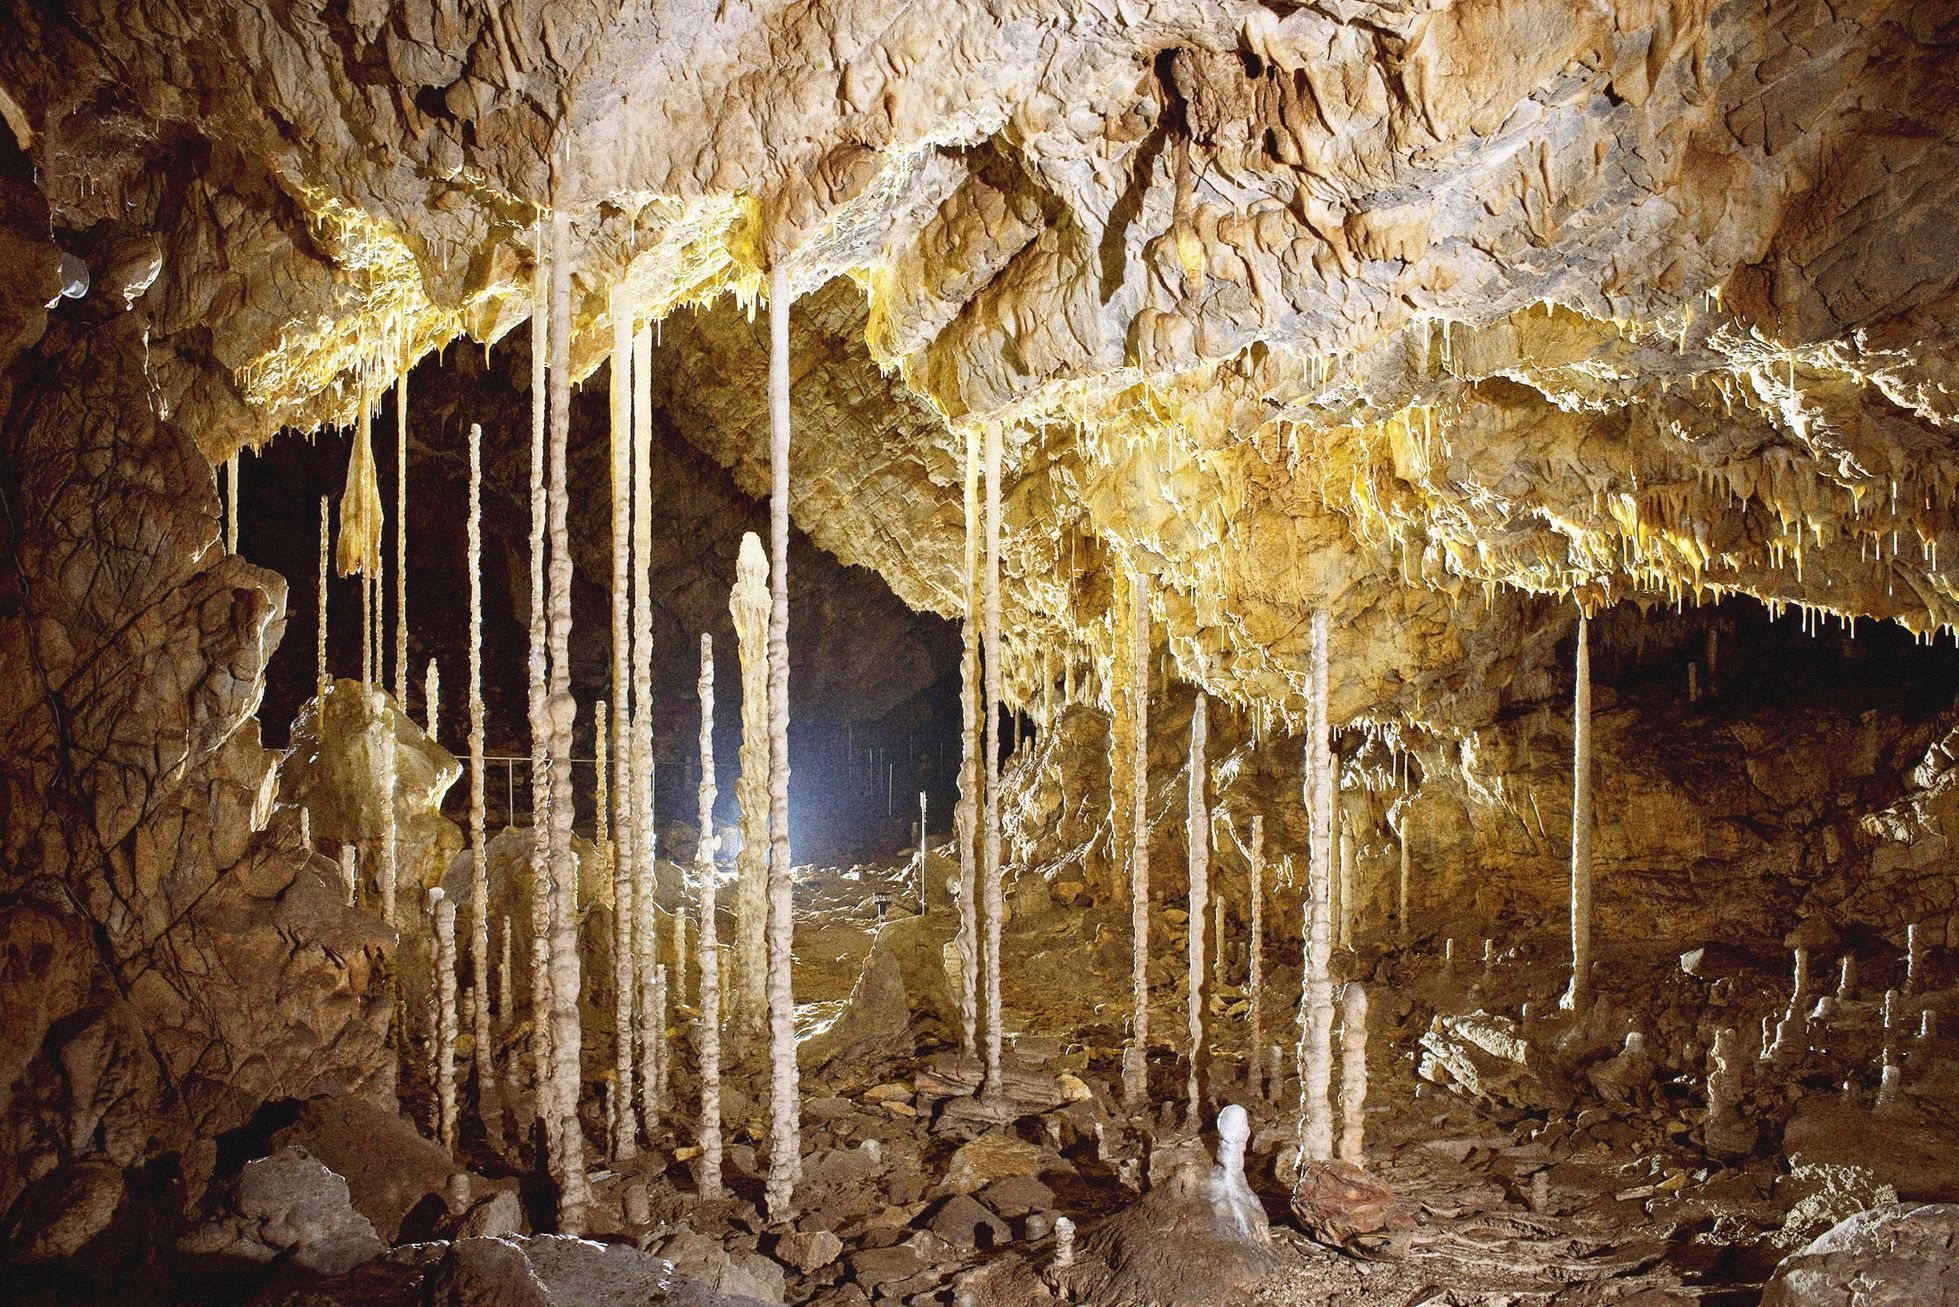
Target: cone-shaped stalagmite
(1580, 993)
(1316, 998)
(785, 1128)
(748, 604)
(710, 963)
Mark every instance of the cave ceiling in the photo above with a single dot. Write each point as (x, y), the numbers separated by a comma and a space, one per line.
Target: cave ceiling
(1449, 318)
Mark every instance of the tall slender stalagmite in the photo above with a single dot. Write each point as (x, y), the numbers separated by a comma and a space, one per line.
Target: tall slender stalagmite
(536, 667)
(710, 963)
(1197, 832)
(748, 604)
(231, 504)
(625, 1124)
(1135, 1062)
(966, 814)
(432, 699)
(1316, 997)
(924, 858)
(479, 851)
(993, 655)
(1255, 979)
(320, 632)
(649, 1022)
(1343, 886)
(401, 531)
(390, 852)
(785, 1127)
(1401, 897)
(1353, 1073)
(444, 909)
(1580, 994)
(562, 711)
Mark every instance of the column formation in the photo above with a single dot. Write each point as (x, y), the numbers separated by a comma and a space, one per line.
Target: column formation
(993, 657)
(479, 851)
(1316, 1023)
(966, 814)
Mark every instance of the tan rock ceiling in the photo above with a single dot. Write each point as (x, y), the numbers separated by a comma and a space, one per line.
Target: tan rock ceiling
(1439, 315)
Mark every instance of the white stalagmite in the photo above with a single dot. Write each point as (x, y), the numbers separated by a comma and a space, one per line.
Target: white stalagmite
(1914, 958)
(650, 1026)
(1255, 979)
(432, 698)
(349, 874)
(1343, 890)
(1198, 836)
(993, 655)
(748, 604)
(1316, 997)
(444, 909)
(1353, 1073)
(966, 813)
(479, 851)
(1579, 996)
(1135, 1061)
(785, 1107)
(401, 532)
(625, 1125)
(562, 713)
(924, 883)
(231, 504)
(390, 853)
(320, 632)
(1401, 894)
(710, 963)
(536, 666)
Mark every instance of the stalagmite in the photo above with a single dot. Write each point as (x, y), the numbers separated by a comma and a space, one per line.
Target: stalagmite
(618, 814)
(601, 787)
(432, 699)
(349, 874)
(1135, 1060)
(785, 1125)
(1401, 891)
(320, 631)
(1914, 959)
(444, 909)
(650, 1034)
(924, 879)
(390, 853)
(1846, 978)
(748, 604)
(401, 532)
(1578, 997)
(231, 504)
(562, 712)
(537, 670)
(1353, 1073)
(710, 960)
(505, 982)
(1255, 976)
(1064, 1242)
(1198, 835)
(479, 852)
(1316, 1017)
(1343, 890)
(966, 814)
(992, 656)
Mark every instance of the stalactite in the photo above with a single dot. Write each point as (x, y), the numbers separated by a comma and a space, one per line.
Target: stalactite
(1197, 834)
(966, 814)
(562, 711)
(479, 851)
(785, 1128)
(1578, 997)
(618, 813)
(748, 604)
(1353, 1073)
(710, 961)
(538, 720)
(444, 909)
(650, 1035)
(432, 699)
(1135, 1063)
(1255, 976)
(231, 504)
(320, 631)
(401, 532)
(390, 855)
(992, 656)
(1316, 997)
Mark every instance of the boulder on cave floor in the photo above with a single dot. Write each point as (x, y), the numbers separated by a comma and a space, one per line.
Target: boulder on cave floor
(1892, 1255)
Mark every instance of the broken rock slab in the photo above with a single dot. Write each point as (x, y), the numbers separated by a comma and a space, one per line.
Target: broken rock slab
(1892, 1255)
(289, 1206)
(989, 1158)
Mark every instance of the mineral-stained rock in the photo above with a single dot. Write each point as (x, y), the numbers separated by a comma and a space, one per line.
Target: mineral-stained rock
(990, 1157)
(1341, 1205)
(1896, 1254)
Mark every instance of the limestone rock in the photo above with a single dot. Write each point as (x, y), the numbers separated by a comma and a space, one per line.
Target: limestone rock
(1891, 1254)
(289, 1205)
